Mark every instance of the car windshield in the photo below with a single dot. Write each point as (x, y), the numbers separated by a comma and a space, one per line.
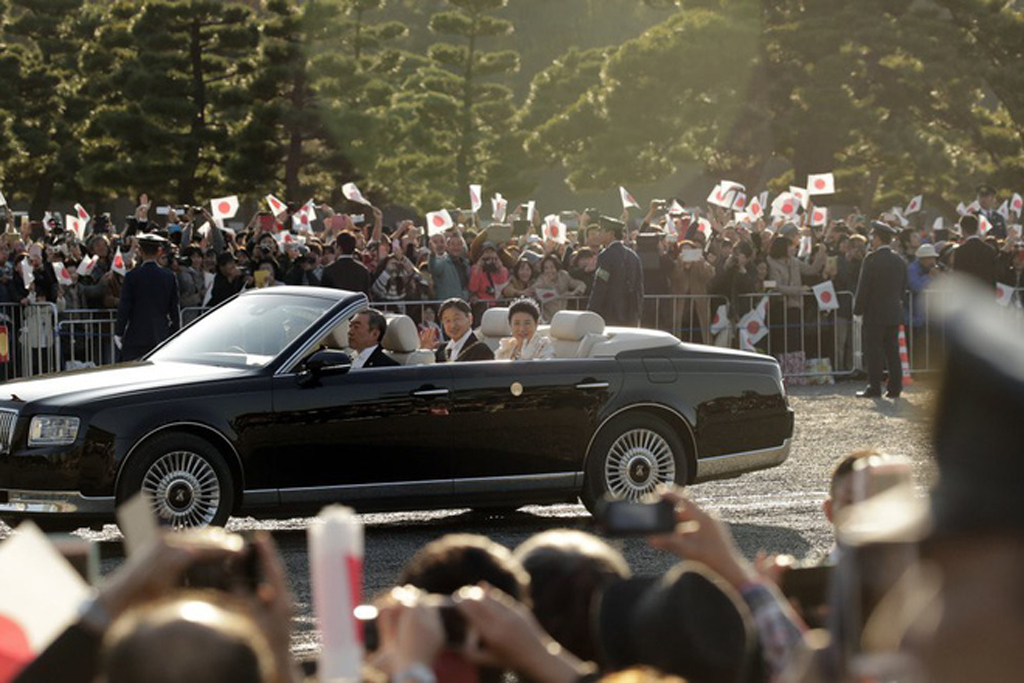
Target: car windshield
(249, 331)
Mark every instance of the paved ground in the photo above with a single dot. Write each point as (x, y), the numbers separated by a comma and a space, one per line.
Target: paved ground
(778, 510)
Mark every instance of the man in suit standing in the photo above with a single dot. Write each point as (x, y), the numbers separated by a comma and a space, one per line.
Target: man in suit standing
(148, 310)
(883, 282)
(618, 292)
(347, 272)
(974, 257)
(365, 331)
(463, 345)
(987, 200)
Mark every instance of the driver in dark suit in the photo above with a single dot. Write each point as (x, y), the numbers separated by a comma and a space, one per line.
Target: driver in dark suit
(365, 331)
(148, 311)
(883, 282)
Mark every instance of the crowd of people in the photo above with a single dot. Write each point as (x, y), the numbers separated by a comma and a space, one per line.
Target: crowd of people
(694, 272)
(911, 591)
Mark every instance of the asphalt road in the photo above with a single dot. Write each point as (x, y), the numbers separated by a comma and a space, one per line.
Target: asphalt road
(778, 510)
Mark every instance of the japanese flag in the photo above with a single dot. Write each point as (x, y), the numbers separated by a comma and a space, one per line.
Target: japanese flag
(1004, 210)
(704, 228)
(304, 217)
(627, 199)
(762, 307)
(914, 206)
(3, 199)
(806, 245)
(983, 224)
(353, 194)
(898, 212)
(739, 203)
(75, 224)
(225, 207)
(763, 197)
(87, 265)
(475, 198)
(819, 216)
(801, 194)
(531, 210)
(755, 208)
(721, 196)
(1016, 204)
(785, 205)
(974, 207)
(1004, 294)
(752, 329)
(825, 293)
(118, 265)
(961, 209)
(27, 276)
(938, 224)
(676, 209)
(438, 222)
(81, 213)
(43, 597)
(276, 205)
(499, 206)
(554, 229)
(721, 319)
(821, 183)
(63, 276)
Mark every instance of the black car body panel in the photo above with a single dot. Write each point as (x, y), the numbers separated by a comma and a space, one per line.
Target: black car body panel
(412, 436)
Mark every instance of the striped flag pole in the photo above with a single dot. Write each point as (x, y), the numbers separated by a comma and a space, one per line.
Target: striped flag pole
(905, 358)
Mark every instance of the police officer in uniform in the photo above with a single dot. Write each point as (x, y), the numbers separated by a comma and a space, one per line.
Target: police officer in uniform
(883, 282)
(148, 311)
(618, 291)
(987, 201)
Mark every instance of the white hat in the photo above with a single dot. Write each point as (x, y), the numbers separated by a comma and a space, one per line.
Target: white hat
(926, 251)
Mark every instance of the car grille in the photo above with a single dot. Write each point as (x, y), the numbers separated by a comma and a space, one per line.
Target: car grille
(7, 420)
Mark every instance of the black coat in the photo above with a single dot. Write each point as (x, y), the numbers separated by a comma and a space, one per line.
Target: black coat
(472, 350)
(976, 258)
(379, 359)
(618, 292)
(347, 273)
(880, 292)
(148, 310)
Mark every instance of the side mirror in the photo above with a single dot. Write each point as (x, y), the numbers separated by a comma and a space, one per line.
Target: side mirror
(324, 363)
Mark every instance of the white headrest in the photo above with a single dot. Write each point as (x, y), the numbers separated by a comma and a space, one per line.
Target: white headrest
(574, 325)
(401, 335)
(495, 323)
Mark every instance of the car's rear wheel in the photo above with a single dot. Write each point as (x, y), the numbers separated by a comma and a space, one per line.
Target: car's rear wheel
(631, 456)
(186, 479)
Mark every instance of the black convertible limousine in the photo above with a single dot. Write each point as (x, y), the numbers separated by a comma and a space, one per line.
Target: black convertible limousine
(254, 409)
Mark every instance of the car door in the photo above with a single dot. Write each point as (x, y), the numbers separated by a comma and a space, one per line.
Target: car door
(361, 433)
(526, 418)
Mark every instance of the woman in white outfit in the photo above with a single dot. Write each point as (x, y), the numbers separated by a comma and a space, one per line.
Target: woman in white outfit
(525, 343)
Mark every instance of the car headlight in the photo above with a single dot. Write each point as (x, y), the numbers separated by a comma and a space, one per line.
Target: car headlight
(52, 430)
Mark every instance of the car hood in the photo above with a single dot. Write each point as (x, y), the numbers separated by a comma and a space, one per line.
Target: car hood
(81, 386)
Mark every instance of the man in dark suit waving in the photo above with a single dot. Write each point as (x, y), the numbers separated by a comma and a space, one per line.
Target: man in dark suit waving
(365, 331)
(883, 282)
(148, 310)
(975, 257)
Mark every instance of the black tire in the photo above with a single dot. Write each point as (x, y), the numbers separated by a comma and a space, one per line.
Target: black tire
(631, 456)
(187, 479)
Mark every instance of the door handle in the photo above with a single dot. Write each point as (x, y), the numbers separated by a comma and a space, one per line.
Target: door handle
(592, 385)
(430, 393)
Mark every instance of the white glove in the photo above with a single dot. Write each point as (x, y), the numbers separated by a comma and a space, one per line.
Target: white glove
(117, 342)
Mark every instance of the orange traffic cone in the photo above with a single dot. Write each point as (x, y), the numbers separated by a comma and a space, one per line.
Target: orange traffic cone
(905, 358)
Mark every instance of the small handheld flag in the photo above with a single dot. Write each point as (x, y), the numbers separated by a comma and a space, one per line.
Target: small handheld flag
(627, 199)
(438, 222)
(821, 183)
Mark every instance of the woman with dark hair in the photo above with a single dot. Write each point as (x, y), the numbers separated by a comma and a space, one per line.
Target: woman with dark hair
(554, 285)
(521, 281)
(525, 343)
(786, 319)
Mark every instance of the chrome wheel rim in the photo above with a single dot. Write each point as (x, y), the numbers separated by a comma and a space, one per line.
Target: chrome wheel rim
(183, 488)
(638, 461)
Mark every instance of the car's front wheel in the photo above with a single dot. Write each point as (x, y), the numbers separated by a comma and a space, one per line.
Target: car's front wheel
(631, 456)
(186, 479)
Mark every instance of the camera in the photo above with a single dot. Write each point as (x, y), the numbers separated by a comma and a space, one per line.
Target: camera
(489, 265)
(234, 573)
(454, 624)
(631, 518)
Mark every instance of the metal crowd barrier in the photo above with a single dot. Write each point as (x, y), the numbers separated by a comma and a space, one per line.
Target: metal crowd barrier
(812, 345)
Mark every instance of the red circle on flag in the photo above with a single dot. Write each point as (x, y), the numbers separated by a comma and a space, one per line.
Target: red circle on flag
(826, 296)
(818, 216)
(819, 184)
(17, 651)
(787, 208)
(224, 207)
(740, 202)
(1017, 204)
(438, 221)
(753, 327)
(715, 321)
(720, 196)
